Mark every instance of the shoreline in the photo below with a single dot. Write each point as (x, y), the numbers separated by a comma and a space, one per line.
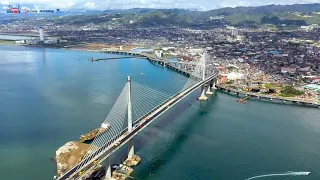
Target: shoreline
(271, 98)
(295, 101)
(63, 46)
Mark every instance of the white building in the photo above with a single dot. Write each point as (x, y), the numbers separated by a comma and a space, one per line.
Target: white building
(234, 76)
(62, 41)
(159, 53)
(289, 69)
(168, 48)
(195, 50)
(41, 34)
(305, 69)
(50, 41)
(234, 32)
(21, 42)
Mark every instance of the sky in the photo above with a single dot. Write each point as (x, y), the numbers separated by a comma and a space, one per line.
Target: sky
(126, 4)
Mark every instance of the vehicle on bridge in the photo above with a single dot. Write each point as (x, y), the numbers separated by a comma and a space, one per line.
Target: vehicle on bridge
(81, 172)
(96, 161)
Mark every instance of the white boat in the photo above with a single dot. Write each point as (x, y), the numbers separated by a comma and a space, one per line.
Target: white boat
(105, 125)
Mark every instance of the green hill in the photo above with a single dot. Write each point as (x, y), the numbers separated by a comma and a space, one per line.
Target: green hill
(277, 15)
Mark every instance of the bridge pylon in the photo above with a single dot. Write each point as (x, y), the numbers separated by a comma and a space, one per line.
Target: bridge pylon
(203, 97)
(130, 144)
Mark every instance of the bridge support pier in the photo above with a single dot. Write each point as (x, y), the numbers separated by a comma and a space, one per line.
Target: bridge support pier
(209, 92)
(214, 85)
(131, 149)
(203, 97)
(108, 175)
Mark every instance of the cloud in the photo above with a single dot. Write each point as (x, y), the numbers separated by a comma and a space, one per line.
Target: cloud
(90, 5)
(4, 2)
(126, 4)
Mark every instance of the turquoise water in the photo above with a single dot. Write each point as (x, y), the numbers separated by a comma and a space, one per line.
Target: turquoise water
(9, 37)
(51, 96)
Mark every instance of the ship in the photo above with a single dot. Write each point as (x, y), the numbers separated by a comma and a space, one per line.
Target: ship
(94, 133)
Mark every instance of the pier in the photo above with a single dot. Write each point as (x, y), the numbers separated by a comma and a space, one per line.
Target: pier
(243, 100)
(176, 66)
(112, 58)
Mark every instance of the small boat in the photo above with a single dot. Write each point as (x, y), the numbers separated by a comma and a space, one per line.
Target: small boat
(271, 99)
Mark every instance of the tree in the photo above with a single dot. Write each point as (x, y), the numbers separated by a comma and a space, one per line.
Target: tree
(290, 91)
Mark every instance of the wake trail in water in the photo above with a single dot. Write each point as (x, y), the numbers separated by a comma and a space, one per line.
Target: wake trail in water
(290, 173)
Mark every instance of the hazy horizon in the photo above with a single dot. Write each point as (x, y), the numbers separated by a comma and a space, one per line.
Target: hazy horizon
(98, 5)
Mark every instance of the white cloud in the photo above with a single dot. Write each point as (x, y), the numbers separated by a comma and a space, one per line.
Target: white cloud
(4, 2)
(90, 5)
(125, 4)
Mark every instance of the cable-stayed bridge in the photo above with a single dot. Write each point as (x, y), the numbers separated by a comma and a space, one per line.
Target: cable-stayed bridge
(136, 107)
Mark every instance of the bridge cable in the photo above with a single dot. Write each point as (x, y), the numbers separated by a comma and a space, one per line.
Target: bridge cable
(113, 119)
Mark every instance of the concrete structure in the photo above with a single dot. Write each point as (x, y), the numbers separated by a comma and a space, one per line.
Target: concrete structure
(131, 146)
(41, 34)
(203, 97)
(108, 175)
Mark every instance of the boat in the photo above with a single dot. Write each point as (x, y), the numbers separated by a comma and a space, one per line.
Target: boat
(94, 133)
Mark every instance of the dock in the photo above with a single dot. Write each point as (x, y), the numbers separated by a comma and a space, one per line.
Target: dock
(134, 161)
(122, 173)
(243, 100)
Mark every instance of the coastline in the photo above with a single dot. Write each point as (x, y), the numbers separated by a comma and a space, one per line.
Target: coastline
(272, 98)
(63, 46)
(295, 101)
